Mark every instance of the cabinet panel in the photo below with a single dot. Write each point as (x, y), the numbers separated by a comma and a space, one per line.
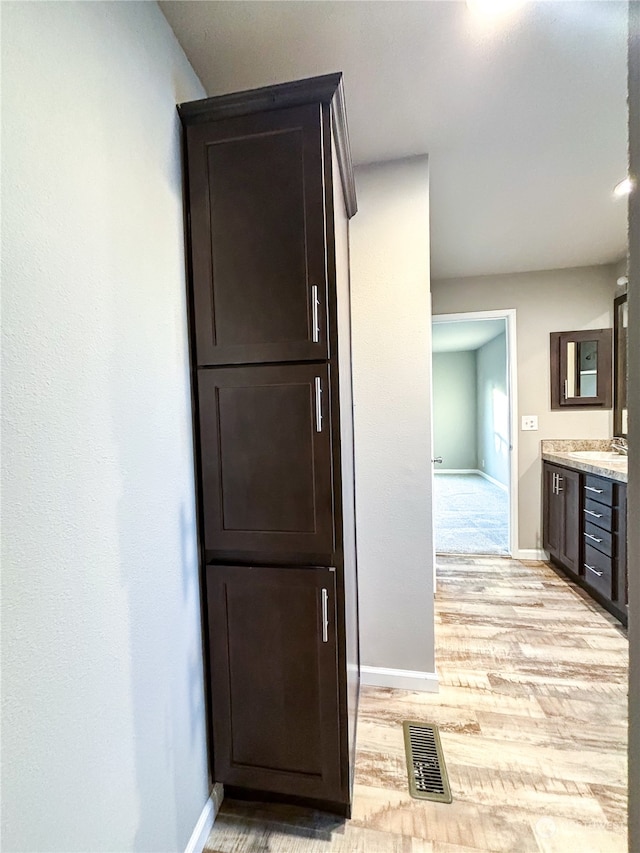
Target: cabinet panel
(274, 685)
(598, 489)
(552, 521)
(598, 514)
(597, 570)
(258, 237)
(620, 592)
(597, 538)
(569, 484)
(561, 522)
(265, 442)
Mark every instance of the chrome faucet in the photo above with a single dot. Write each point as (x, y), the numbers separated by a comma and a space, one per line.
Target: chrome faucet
(620, 445)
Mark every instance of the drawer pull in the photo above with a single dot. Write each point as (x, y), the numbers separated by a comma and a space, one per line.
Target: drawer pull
(591, 536)
(593, 489)
(591, 569)
(594, 514)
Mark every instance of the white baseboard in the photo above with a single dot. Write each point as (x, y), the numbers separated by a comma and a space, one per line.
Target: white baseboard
(403, 679)
(530, 554)
(494, 481)
(473, 471)
(205, 821)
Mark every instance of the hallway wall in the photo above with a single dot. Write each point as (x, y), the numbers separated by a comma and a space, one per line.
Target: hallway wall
(391, 321)
(103, 728)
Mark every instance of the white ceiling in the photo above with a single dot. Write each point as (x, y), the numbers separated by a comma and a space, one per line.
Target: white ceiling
(464, 335)
(525, 122)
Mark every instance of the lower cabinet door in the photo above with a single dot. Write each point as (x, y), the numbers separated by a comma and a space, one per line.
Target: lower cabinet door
(274, 679)
(569, 486)
(553, 511)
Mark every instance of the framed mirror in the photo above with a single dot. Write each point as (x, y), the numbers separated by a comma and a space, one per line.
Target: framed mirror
(581, 364)
(620, 324)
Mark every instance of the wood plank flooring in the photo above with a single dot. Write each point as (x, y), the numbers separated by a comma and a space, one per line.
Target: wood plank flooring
(533, 721)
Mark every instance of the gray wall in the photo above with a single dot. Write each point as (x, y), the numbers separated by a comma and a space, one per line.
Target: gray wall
(634, 432)
(391, 323)
(493, 409)
(548, 301)
(455, 434)
(103, 728)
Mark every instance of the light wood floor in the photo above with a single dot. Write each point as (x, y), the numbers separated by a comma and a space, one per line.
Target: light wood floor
(532, 716)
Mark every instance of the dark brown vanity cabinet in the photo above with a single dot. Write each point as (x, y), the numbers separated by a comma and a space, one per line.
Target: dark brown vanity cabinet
(584, 531)
(269, 193)
(561, 522)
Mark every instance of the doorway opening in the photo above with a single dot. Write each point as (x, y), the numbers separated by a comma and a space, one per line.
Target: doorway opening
(474, 431)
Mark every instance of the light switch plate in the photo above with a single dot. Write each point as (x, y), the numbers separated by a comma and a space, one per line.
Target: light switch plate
(529, 422)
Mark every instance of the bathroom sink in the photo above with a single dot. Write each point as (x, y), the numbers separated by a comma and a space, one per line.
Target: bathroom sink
(598, 455)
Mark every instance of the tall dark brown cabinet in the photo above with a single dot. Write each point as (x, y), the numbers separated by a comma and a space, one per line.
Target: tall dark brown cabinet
(269, 193)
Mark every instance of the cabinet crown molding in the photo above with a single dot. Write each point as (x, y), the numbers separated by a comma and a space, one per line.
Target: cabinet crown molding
(326, 89)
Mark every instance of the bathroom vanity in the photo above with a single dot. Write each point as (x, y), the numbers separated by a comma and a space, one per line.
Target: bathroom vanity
(584, 518)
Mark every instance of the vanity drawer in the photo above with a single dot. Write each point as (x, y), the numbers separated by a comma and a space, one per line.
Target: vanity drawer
(597, 538)
(598, 489)
(599, 514)
(597, 570)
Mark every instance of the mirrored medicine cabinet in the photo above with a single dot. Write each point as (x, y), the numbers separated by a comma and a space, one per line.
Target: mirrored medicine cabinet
(581, 369)
(620, 326)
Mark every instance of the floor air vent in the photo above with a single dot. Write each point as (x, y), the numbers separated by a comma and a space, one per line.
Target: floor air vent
(425, 763)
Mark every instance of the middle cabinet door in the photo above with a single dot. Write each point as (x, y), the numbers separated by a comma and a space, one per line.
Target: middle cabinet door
(265, 442)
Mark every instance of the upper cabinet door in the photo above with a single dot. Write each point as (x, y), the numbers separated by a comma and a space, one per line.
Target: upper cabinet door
(265, 443)
(258, 237)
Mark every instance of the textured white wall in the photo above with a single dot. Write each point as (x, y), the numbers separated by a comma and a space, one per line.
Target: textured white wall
(455, 433)
(633, 509)
(548, 301)
(103, 730)
(391, 320)
(493, 409)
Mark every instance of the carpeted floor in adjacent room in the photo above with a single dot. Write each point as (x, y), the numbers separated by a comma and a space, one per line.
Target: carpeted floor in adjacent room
(471, 515)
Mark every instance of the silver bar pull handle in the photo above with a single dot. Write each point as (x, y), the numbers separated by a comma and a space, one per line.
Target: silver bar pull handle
(325, 616)
(594, 538)
(594, 514)
(553, 484)
(558, 489)
(593, 489)
(318, 404)
(314, 311)
(591, 569)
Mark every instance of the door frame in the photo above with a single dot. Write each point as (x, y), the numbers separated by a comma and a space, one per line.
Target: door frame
(509, 315)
